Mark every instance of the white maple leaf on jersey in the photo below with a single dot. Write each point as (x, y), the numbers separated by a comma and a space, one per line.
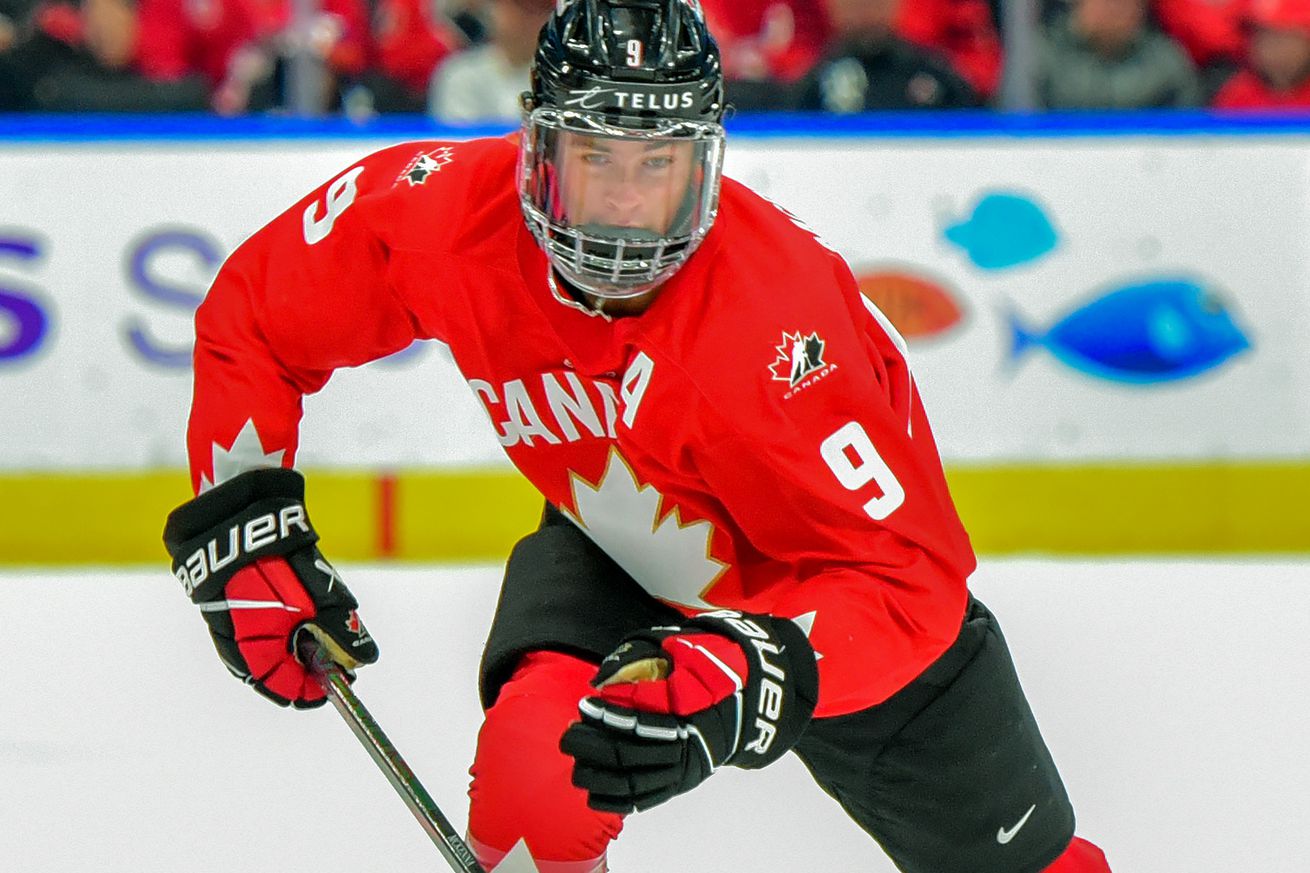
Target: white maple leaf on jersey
(519, 860)
(245, 453)
(669, 559)
(806, 624)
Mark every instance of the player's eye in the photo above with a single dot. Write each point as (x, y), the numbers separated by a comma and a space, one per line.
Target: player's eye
(659, 162)
(596, 159)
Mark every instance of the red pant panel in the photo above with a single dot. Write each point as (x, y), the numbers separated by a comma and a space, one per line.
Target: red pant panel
(1080, 857)
(522, 788)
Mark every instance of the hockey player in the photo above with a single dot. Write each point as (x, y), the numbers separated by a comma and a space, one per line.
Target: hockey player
(748, 546)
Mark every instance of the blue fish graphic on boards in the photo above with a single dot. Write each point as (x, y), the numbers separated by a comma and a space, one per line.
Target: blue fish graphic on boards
(1157, 331)
(1003, 231)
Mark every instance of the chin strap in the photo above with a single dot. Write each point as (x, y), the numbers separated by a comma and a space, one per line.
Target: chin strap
(565, 293)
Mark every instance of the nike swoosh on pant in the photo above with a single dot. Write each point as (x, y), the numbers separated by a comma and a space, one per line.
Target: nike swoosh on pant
(1004, 836)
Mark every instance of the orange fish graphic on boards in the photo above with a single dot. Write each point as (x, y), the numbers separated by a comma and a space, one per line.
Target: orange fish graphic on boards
(919, 307)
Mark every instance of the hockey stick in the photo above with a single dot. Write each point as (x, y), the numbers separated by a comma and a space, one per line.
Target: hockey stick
(384, 754)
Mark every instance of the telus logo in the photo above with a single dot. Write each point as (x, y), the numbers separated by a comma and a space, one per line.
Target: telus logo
(598, 98)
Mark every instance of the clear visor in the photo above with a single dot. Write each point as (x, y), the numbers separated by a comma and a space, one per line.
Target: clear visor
(618, 211)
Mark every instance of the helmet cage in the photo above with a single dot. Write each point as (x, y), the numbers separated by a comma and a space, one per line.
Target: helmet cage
(615, 265)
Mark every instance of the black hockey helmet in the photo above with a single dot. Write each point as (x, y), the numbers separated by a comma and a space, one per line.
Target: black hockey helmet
(614, 80)
(635, 62)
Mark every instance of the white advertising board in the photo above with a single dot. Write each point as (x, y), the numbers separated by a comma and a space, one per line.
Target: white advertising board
(1066, 299)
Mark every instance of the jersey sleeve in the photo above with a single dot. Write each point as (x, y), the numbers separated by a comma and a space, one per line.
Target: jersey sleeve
(835, 476)
(305, 295)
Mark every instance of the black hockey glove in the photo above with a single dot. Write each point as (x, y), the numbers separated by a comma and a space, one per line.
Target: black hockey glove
(675, 704)
(245, 553)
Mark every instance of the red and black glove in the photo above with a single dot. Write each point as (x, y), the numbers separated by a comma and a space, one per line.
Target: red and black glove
(675, 704)
(245, 553)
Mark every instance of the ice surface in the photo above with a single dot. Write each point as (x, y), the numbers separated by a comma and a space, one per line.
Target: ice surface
(1174, 694)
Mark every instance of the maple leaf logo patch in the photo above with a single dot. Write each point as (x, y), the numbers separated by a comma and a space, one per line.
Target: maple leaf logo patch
(356, 627)
(424, 164)
(798, 357)
(800, 362)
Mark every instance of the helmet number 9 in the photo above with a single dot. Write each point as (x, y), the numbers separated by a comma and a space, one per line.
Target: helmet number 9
(340, 194)
(636, 53)
(850, 454)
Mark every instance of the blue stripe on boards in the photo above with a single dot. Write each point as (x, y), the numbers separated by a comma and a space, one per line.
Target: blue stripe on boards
(19, 129)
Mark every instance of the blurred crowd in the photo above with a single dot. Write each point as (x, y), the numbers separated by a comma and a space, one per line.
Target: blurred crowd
(466, 61)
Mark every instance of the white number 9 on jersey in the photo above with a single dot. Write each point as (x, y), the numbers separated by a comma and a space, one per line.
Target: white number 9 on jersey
(850, 454)
(340, 194)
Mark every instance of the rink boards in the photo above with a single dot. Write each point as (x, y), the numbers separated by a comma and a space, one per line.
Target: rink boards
(462, 515)
(1015, 259)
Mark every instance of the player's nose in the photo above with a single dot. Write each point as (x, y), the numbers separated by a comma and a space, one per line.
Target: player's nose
(624, 201)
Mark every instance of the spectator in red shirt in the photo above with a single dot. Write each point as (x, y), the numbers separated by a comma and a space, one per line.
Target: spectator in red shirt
(1277, 75)
(214, 39)
(410, 43)
(179, 37)
(1209, 30)
(336, 40)
(767, 39)
(766, 45)
(964, 31)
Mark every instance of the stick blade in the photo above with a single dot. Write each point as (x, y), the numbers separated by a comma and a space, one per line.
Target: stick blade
(519, 860)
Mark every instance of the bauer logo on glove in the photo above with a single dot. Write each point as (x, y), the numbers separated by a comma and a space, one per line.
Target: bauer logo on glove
(245, 553)
(242, 540)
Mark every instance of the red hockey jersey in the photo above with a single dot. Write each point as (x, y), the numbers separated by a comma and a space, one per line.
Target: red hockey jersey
(753, 440)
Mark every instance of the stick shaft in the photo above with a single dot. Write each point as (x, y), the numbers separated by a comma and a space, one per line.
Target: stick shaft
(389, 761)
